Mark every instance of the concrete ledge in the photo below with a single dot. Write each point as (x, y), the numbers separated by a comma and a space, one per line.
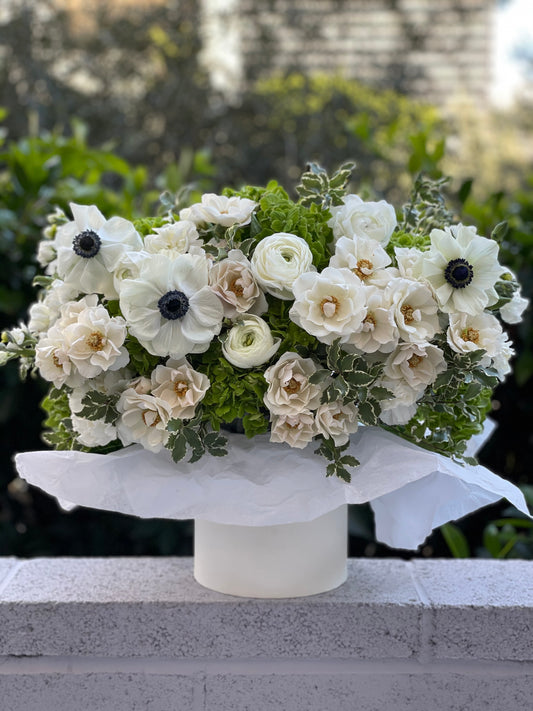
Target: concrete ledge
(139, 633)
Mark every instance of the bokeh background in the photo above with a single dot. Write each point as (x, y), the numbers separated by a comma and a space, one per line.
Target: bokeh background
(113, 103)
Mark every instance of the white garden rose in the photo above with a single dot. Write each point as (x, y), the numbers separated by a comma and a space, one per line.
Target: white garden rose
(289, 390)
(356, 218)
(378, 330)
(278, 260)
(501, 359)
(170, 307)
(220, 210)
(143, 420)
(470, 333)
(93, 433)
(513, 310)
(94, 340)
(418, 364)
(249, 342)
(233, 281)
(173, 239)
(402, 407)
(336, 421)
(180, 386)
(128, 267)
(296, 430)
(329, 305)
(409, 262)
(415, 310)
(364, 257)
(462, 268)
(53, 362)
(90, 247)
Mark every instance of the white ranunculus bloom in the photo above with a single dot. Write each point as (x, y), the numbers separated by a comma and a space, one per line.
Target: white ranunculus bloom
(378, 330)
(278, 260)
(336, 421)
(462, 268)
(143, 420)
(513, 310)
(329, 305)
(356, 218)
(289, 390)
(249, 342)
(365, 257)
(90, 247)
(409, 261)
(180, 386)
(170, 307)
(296, 430)
(415, 310)
(173, 239)
(470, 333)
(233, 281)
(220, 210)
(418, 364)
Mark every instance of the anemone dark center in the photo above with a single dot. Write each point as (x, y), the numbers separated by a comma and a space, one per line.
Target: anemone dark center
(459, 273)
(173, 305)
(87, 244)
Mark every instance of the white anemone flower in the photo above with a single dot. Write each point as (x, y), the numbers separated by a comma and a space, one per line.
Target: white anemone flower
(220, 210)
(90, 247)
(462, 268)
(170, 307)
(365, 257)
(329, 305)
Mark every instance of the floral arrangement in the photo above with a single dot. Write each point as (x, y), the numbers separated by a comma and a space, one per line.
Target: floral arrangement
(301, 318)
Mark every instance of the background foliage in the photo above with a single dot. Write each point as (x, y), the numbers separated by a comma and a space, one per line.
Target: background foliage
(145, 122)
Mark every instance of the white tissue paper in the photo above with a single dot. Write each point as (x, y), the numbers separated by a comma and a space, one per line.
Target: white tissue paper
(410, 489)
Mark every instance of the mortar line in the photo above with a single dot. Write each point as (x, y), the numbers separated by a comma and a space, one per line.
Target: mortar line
(426, 623)
(4, 583)
(202, 668)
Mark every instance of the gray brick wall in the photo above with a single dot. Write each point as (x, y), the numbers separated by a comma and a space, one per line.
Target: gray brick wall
(426, 48)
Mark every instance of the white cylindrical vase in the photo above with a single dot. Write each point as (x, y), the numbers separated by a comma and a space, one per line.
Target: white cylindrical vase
(286, 560)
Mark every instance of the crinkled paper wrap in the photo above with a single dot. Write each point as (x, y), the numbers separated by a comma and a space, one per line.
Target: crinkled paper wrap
(257, 484)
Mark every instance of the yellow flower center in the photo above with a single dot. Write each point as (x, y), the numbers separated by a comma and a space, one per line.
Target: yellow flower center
(150, 418)
(236, 288)
(95, 341)
(470, 334)
(407, 312)
(415, 360)
(329, 306)
(181, 387)
(370, 320)
(363, 269)
(293, 386)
